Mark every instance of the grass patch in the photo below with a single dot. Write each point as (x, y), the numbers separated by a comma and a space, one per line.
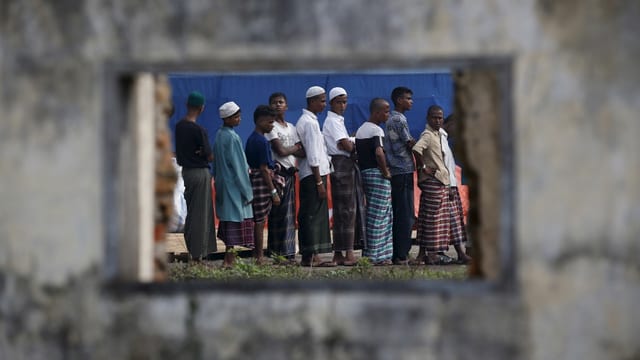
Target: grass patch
(246, 269)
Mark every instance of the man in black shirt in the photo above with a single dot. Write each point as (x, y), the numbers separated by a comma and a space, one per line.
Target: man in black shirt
(193, 153)
(376, 184)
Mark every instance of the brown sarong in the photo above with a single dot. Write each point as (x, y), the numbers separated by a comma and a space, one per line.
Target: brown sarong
(261, 204)
(348, 204)
(440, 221)
(282, 221)
(236, 233)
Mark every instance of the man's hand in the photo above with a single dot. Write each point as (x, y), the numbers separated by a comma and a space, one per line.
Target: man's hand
(322, 192)
(427, 170)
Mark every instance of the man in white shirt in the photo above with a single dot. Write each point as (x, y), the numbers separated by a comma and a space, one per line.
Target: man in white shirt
(458, 228)
(346, 187)
(313, 219)
(285, 147)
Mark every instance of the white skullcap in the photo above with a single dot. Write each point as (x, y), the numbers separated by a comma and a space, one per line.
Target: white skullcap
(227, 109)
(336, 91)
(314, 91)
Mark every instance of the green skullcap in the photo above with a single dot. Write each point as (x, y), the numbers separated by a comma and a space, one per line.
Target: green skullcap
(195, 99)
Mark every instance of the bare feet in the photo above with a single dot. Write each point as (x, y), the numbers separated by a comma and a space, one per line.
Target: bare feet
(421, 258)
(260, 260)
(316, 261)
(463, 258)
(338, 258)
(229, 259)
(350, 259)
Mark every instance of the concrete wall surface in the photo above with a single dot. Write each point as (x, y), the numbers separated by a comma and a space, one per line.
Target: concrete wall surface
(575, 106)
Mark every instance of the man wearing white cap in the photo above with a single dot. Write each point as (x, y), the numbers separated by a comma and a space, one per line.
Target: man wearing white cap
(233, 187)
(346, 187)
(313, 218)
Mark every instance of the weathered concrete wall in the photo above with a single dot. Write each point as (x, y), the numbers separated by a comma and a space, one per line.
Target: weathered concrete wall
(576, 101)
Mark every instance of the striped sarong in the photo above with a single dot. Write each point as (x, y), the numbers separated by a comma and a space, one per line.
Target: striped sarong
(379, 235)
(458, 229)
(282, 221)
(313, 219)
(236, 233)
(261, 204)
(440, 221)
(348, 204)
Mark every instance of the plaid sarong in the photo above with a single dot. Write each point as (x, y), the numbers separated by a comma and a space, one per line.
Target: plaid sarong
(282, 221)
(261, 196)
(458, 229)
(236, 233)
(440, 221)
(379, 237)
(348, 204)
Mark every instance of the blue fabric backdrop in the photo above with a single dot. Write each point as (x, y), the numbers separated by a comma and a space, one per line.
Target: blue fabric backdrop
(252, 89)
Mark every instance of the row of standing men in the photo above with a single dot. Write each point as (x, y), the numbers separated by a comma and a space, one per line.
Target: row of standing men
(371, 177)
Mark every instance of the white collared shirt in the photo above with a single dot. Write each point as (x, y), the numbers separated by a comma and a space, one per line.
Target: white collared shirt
(449, 161)
(311, 137)
(333, 131)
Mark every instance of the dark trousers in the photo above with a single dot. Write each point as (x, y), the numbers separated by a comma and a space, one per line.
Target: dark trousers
(403, 214)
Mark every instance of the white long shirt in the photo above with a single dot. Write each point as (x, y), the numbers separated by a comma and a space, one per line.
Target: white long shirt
(449, 161)
(334, 131)
(311, 137)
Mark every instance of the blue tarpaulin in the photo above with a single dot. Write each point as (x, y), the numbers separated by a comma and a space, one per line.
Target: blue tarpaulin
(249, 90)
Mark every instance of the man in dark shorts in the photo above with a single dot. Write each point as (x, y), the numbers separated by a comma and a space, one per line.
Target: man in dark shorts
(261, 165)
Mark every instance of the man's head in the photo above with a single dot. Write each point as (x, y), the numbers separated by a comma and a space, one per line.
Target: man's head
(338, 100)
(402, 98)
(263, 117)
(449, 125)
(195, 102)
(379, 109)
(278, 102)
(435, 117)
(230, 114)
(316, 99)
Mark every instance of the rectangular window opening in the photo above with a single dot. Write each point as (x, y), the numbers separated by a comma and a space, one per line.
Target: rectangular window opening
(144, 101)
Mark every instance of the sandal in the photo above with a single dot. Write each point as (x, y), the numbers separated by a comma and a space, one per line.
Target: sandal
(439, 260)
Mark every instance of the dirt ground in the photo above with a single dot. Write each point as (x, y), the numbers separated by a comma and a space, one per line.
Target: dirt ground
(177, 250)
